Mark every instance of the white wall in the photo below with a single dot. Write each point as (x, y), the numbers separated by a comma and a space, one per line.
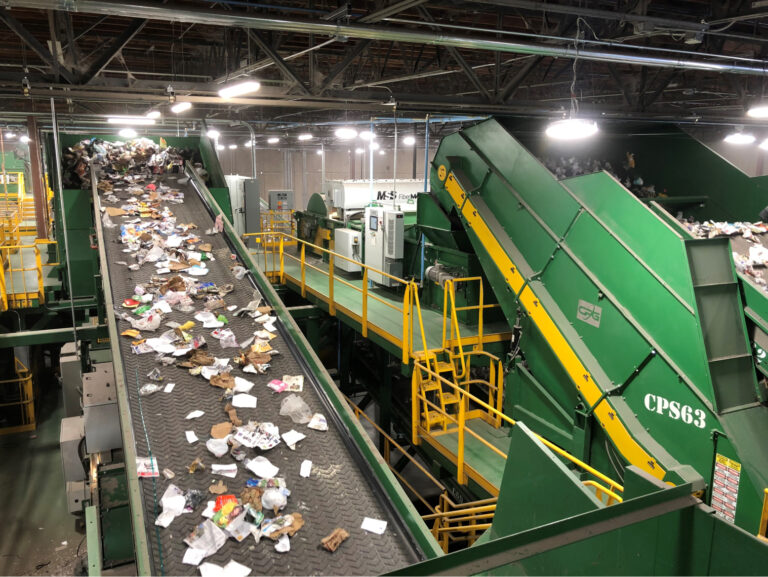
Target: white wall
(339, 165)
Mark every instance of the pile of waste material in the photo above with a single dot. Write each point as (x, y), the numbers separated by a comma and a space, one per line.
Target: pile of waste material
(750, 256)
(223, 346)
(627, 173)
(129, 160)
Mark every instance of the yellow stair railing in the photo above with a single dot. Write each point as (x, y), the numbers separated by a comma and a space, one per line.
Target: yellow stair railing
(762, 532)
(17, 396)
(606, 488)
(460, 523)
(15, 291)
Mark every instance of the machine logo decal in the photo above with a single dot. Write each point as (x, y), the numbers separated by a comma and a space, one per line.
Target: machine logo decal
(676, 411)
(589, 313)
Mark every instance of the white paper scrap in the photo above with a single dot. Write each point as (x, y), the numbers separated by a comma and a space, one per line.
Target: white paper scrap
(306, 468)
(191, 437)
(292, 437)
(244, 401)
(235, 569)
(209, 512)
(242, 385)
(193, 556)
(225, 470)
(283, 544)
(261, 467)
(169, 387)
(195, 414)
(374, 525)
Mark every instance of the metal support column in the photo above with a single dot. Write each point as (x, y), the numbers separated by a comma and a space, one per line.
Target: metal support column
(36, 179)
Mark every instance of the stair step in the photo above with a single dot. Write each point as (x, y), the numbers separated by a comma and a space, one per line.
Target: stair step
(427, 386)
(445, 367)
(434, 418)
(450, 398)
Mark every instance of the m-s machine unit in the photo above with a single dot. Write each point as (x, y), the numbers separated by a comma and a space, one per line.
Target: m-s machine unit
(384, 239)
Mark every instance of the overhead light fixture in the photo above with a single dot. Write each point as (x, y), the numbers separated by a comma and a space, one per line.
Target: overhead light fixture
(764, 145)
(180, 107)
(359, 150)
(220, 147)
(153, 114)
(233, 146)
(367, 135)
(24, 139)
(239, 89)
(134, 120)
(319, 152)
(127, 133)
(213, 134)
(409, 141)
(248, 143)
(374, 146)
(391, 101)
(739, 138)
(346, 133)
(758, 110)
(273, 140)
(382, 153)
(305, 136)
(10, 134)
(571, 129)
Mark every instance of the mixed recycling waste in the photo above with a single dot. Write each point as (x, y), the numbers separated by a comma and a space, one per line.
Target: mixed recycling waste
(627, 173)
(179, 255)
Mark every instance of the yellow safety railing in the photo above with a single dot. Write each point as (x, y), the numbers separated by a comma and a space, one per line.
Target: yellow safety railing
(14, 289)
(452, 523)
(460, 522)
(273, 251)
(609, 488)
(762, 532)
(278, 221)
(18, 393)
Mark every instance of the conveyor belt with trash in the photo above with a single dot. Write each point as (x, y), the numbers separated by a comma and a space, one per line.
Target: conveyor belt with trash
(336, 494)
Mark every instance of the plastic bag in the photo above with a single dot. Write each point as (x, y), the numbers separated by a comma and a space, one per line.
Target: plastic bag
(107, 222)
(239, 272)
(273, 500)
(293, 406)
(149, 389)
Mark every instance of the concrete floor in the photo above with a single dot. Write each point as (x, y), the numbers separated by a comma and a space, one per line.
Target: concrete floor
(39, 536)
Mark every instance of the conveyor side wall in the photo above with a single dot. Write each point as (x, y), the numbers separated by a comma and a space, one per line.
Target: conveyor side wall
(612, 319)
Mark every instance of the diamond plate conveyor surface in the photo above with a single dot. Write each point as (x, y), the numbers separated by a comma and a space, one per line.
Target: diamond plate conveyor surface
(340, 491)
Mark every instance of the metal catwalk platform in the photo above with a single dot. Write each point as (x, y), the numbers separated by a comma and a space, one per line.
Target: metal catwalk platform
(342, 488)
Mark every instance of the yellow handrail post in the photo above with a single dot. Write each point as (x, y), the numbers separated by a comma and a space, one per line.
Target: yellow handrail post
(499, 393)
(4, 294)
(331, 302)
(763, 530)
(282, 261)
(479, 345)
(445, 313)
(406, 315)
(303, 272)
(39, 266)
(460, 475)
(365, 303)
(415, 405)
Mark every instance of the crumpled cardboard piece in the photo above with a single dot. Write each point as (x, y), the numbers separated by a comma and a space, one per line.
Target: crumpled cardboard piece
(175, 283)
(334, 540)
(223, 380)
(254, 358)
(218, 488)
(252, 496)
(232, 413)
(290, 530)
(205, 247)
(114, 211)
(221, 430)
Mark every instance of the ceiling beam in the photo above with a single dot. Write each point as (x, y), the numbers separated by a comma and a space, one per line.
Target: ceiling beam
(390, 10)
(340, 67)
(285, 68)
(113, 50)
(509, 89)
(26, 37)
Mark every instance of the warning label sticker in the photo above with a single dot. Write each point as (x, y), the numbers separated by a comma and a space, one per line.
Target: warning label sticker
(725, 487)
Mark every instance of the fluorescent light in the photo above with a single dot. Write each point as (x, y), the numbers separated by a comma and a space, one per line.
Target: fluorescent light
(739, 138)
(346, 133)
(10, 134)
(367, 135)
(305, 136)
(319, 151)
(153, 114)
(25, 139)
(239, 89)
(273, 140)
(233, 146)
(571, 129)
(180, 107)
(359, 150)
(374, 146)
(134, 120)
(127, 133)
(758, 111)
(220, 147)
(248, 143)
(382, 153)
(409, 141)
(764, 144)
(213, 133)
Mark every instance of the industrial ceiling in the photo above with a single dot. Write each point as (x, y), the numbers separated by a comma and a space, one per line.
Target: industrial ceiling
(316, 59)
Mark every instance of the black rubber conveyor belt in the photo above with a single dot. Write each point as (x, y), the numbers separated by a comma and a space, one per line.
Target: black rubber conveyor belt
(340, 491)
